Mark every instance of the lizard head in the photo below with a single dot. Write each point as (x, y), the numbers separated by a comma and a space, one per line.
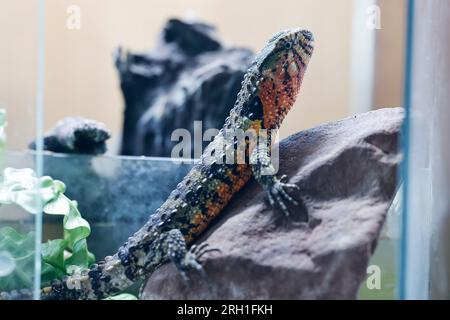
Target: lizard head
(281, 66)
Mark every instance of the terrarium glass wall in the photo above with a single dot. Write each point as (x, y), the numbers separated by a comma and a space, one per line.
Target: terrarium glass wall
(425, 266)
(21, 27)
(127, 74)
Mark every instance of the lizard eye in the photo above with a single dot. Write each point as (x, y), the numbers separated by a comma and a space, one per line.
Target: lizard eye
(288, 45)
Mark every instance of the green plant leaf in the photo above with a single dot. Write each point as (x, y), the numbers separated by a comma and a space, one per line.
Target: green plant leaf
(76, 230)
(53, 252)
(21, 249)
(22, 187)
(80, 256)
(59, 206)
(50, 273)
(75, 227)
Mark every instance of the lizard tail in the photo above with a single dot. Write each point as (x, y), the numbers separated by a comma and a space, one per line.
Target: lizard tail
(98, 282)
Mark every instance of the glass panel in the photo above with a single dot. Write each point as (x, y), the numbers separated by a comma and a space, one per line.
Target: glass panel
(20, 209)
(426, 266)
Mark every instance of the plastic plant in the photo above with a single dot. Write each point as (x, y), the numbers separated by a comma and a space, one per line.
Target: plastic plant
(60, 257)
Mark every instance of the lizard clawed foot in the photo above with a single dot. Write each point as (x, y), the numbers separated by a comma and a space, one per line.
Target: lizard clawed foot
(277, 195)
(190, 262)
(185, 259)
(200, 250)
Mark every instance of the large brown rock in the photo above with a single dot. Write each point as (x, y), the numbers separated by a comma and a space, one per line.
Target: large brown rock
(347, 174)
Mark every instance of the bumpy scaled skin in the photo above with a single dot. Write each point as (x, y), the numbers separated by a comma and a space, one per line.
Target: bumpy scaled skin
(268, 91)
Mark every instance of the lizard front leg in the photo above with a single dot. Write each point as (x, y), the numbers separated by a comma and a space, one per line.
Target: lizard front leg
(265, 173)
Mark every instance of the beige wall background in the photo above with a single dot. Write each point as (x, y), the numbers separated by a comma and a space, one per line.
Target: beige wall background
(18, 68)
(389, 59)
(81, 78)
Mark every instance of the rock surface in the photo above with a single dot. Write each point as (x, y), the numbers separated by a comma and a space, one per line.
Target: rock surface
(347, 174)
(189, 76)
(76, 135)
